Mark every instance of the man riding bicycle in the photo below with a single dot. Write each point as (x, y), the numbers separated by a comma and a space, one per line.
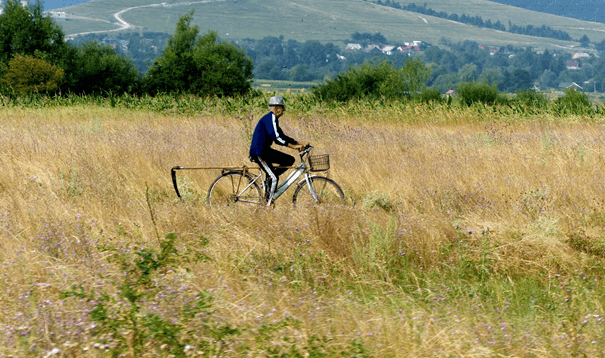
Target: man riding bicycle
(266, 133)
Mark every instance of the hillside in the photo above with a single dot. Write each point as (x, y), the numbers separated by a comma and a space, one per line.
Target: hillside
(517, 16)
(587, 10)
(323, 20)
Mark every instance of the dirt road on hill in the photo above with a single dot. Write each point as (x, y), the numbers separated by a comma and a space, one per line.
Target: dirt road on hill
(122, 24)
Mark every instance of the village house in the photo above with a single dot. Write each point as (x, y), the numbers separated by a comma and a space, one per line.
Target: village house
(371, 47)
(58, 15)
(387, 50)
(353, 47)
(580, 55)
(408, 48)
(567, 85)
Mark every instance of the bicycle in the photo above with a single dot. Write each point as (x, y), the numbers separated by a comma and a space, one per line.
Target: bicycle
(239, 185)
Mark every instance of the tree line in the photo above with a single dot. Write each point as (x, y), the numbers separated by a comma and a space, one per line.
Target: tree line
(542, 31)
(512, 68)
(35, 57)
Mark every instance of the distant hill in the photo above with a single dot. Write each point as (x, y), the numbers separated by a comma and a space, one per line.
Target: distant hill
(588, 10)
(57, 4)
(324, 20)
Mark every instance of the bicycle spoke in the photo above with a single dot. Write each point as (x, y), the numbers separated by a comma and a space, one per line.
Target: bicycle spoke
(233, 187)
(326, 191)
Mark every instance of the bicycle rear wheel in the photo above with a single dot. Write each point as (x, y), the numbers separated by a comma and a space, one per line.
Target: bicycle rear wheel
(326, 190)
(233, 187)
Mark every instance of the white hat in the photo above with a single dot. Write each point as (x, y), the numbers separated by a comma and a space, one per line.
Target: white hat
(277, 101)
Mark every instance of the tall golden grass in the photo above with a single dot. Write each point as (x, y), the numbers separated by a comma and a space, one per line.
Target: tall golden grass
(464, 233)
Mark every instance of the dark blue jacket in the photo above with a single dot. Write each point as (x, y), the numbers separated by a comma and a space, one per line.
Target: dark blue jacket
(266, 132)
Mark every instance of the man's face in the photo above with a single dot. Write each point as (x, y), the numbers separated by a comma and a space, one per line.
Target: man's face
(278, 110)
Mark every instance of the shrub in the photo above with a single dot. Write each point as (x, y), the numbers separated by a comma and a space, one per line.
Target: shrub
(473, 92)
(374, 81)
(531, 98)
(430, 94)
(573, 102)
(27, 74)
(360, 81)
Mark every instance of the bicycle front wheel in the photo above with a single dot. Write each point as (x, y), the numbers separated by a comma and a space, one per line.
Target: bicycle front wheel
(326, 191)
(233, 187)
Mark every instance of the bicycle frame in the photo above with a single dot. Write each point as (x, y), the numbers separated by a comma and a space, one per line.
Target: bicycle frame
(285, 184)
(298, 171)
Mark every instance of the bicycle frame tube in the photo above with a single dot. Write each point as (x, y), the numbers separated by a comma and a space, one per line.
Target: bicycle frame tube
(244, 190)
(311, 189)
(281, 188)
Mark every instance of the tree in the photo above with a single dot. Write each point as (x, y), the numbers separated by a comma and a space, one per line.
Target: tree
(491, 76)
(313, 54)
(375, 80)
(224, 70)
(267, 69)
(547, 78)
(301, 73)
(515, 81)
(27, 74)
(201, 66)
(414, 74)
(468, 72)
(24, 30)
(525, 59)
(376, 38)
(97, 68)
(584, 41)
(447, 81)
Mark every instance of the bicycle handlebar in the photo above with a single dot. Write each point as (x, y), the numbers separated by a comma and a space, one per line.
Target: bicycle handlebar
(306, 150)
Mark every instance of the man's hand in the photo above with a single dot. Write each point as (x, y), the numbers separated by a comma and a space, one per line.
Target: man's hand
(300, 146)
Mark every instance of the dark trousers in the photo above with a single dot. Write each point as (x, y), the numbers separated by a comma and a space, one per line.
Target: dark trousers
(268, 162)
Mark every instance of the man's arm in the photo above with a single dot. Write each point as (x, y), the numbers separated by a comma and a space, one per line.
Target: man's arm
(298, 146)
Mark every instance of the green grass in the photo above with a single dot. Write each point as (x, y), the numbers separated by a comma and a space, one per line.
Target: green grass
(332, 20)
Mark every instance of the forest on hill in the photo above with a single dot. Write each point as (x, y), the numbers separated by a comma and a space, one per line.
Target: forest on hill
(587, 10)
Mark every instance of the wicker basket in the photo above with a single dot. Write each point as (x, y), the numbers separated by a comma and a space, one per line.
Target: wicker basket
(319, 163)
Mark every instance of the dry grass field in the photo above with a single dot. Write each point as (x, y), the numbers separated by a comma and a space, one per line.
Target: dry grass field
(464, 234)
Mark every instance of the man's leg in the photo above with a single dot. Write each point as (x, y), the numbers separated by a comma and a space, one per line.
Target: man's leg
(266, 162)
(270, 176)
(278, 158)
